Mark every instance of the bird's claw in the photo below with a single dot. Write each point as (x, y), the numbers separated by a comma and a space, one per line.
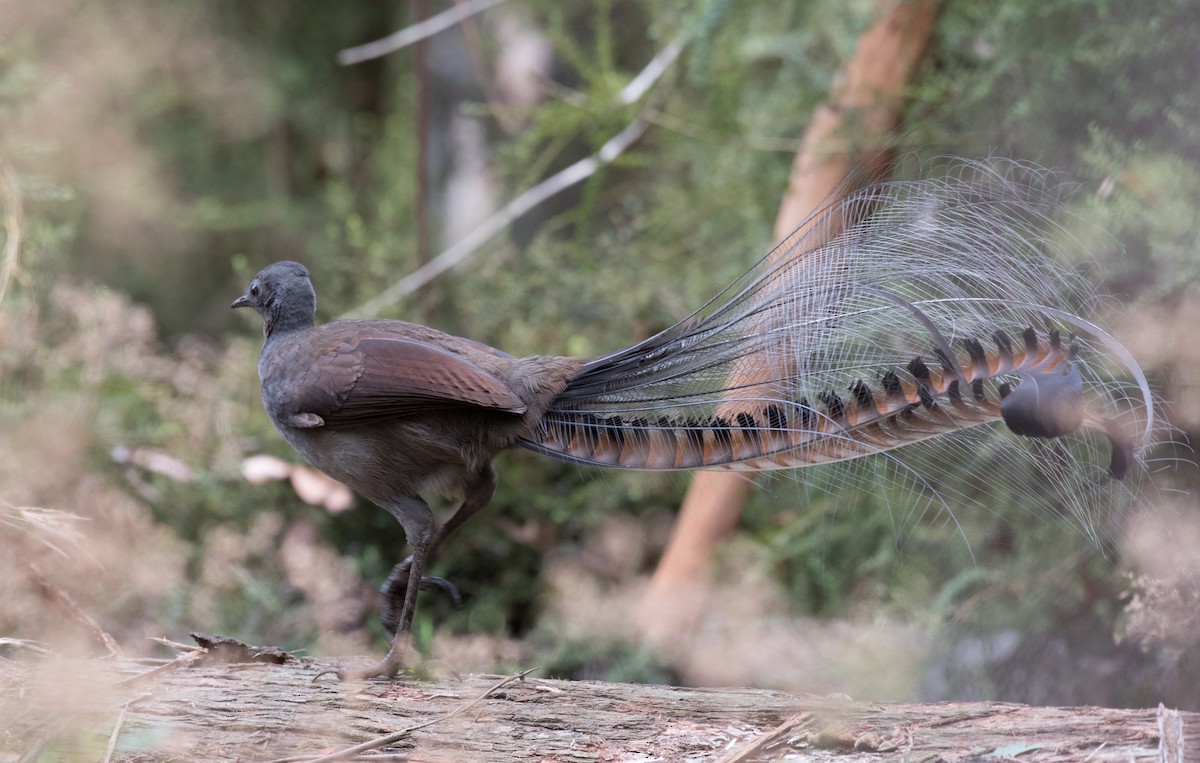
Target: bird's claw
(388, 667)
(339, 672)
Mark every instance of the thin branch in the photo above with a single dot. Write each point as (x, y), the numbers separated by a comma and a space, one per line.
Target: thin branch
(675, 124)
(577, 172)
(414, 33)
(13, 217)
(112, 738)
(468, 245)
(384, 741)
(182, 661)
(652, 72)
(182, 648)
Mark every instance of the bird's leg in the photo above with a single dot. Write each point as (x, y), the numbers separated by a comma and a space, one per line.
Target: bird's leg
(395, 589)
(401, 642)
(476, 495)
(417, 520)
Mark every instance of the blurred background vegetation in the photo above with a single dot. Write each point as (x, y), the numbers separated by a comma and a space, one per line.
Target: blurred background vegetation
(159, 154)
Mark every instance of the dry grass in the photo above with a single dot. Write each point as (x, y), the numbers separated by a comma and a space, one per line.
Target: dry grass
(89, 566)
(119, 560)
(1163, 553)
(92, 369)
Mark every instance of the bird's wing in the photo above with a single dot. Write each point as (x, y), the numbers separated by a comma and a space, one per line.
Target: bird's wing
(357, 380)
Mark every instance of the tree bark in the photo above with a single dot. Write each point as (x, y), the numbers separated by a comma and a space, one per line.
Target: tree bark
(272, 712)
(847, 136)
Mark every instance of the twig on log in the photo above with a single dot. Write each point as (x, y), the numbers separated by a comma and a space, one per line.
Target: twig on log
(398, 735)
(183, 660)
(112, 738)
(178, 647)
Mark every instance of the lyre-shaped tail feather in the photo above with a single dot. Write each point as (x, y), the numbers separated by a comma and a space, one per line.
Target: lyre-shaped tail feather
(904, 311)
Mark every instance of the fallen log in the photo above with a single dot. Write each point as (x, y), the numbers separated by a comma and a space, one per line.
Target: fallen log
(129, 710)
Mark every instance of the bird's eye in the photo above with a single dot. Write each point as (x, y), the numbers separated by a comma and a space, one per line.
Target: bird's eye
(254, 290)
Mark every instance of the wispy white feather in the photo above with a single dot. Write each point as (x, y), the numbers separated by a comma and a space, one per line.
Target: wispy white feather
(902, 314)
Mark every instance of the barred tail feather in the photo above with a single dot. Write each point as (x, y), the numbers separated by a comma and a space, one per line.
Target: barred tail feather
(905, 312)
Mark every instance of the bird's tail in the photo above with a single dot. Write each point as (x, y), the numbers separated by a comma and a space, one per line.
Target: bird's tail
(903, 312)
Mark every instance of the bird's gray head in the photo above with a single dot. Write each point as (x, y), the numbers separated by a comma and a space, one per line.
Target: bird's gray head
(283, 295)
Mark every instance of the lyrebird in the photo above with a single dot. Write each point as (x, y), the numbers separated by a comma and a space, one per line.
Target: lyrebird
(904, 311)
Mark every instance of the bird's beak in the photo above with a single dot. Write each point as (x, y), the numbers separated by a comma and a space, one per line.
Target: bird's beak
(240, 302)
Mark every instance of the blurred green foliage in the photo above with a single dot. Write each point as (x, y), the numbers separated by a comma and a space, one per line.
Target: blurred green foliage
(220, 136)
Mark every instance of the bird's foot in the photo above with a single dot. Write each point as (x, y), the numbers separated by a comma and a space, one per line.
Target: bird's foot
(339, 672)
(395, 587)
(381, 669)
(388, 667)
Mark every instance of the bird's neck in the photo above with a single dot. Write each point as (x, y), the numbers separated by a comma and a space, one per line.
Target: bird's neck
(284, 322)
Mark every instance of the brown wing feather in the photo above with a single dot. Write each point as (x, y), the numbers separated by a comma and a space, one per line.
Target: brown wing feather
(405, 376)
(363, 374)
